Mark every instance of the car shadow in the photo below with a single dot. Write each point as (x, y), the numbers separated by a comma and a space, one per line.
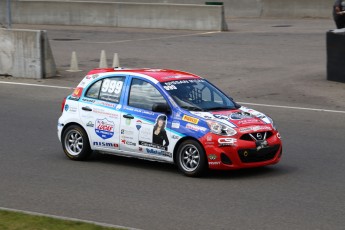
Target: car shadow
(260, 172)
(132, 162)
(252, 173)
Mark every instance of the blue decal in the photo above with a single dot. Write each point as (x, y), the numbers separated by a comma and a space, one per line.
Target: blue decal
(104, 128)
(138, 124)
(66, 107)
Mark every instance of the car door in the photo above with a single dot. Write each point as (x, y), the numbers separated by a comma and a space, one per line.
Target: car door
(100, 112)
(143, 131)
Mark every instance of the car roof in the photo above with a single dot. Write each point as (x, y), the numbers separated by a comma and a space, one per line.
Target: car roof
(161, 75)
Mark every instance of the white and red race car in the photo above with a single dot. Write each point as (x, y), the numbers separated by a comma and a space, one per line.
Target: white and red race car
(165, 115)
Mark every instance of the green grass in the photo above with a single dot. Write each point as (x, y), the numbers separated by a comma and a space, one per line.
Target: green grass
(19, 221)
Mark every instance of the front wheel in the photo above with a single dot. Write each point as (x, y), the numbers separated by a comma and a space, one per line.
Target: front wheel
(75, 143)
(191, 158)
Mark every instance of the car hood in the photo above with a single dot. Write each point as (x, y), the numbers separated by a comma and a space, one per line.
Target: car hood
(241, 117)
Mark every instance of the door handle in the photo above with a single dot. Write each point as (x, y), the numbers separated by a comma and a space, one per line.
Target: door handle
(86, 108)
(129, 116)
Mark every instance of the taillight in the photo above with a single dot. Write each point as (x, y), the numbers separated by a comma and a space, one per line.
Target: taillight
(63, 104)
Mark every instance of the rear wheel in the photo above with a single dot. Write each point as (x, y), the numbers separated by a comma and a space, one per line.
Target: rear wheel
(75, 143)
(191, 158)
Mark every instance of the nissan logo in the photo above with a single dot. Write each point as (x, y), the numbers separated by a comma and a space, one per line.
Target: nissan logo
(259, 136)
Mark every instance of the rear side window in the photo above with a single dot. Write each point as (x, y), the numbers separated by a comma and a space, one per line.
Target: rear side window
(143, 95)
(108, 89)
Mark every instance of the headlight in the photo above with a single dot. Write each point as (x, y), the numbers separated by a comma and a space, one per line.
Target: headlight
(272, 123)
(221, 129)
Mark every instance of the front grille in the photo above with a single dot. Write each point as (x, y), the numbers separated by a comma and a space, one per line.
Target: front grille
(254, 155)
(249, 136)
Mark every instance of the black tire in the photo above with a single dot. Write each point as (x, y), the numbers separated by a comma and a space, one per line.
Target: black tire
(75, 143)
(191, 159)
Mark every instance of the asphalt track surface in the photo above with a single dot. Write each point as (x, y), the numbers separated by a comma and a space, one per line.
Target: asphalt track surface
(275, 66)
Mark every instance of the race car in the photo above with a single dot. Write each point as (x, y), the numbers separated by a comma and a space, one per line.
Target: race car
(168, 116)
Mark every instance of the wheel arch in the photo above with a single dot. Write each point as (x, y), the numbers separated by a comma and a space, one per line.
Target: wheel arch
(181, 141)
(74, 123)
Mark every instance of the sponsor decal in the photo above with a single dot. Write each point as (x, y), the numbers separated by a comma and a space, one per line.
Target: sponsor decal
(126, 142)
(88, 100)
(104, 112)
(209, 140)
(140, 149)
(77, 92)
(170, 87)
(138, 124)
(70, 109)
(212, 157)
(93, 76)
(227, 141)
(220, 116)
(127, 132)
(255, 128)
(106, 104)
(118, 107)
(196, 127)
(146, 144)
(214, 163)
(105, 144)
(175, 137)
(158, 152)
(205, 115)
(175, 125)
(90, 124)
(104, 128)
(247, 121)
(190, 119)
(125, 137)
(139, 110)
(240, 116)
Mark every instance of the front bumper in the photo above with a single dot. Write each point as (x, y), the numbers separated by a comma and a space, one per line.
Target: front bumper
(244, 154)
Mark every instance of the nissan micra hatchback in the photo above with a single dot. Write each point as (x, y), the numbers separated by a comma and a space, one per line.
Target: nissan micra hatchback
(165, 115)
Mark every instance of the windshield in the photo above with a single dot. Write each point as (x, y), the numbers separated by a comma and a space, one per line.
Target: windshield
(197, 95)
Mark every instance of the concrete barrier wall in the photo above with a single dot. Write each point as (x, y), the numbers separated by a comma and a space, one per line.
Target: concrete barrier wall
(140, 15)
(258, 8)
(26, 54)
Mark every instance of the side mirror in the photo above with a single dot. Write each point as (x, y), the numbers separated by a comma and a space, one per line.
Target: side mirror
(161, 108)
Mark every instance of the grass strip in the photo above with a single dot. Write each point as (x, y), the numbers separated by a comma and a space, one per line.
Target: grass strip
(10, 220)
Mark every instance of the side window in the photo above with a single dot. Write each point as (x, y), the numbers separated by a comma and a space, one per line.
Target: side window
(143, 95)
(108, 89)
(93, 91)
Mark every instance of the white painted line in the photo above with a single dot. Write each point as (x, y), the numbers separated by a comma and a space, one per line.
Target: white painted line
(27, 84)
(244, 103)
(147, 39)
(67, 218)
(291, 107)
